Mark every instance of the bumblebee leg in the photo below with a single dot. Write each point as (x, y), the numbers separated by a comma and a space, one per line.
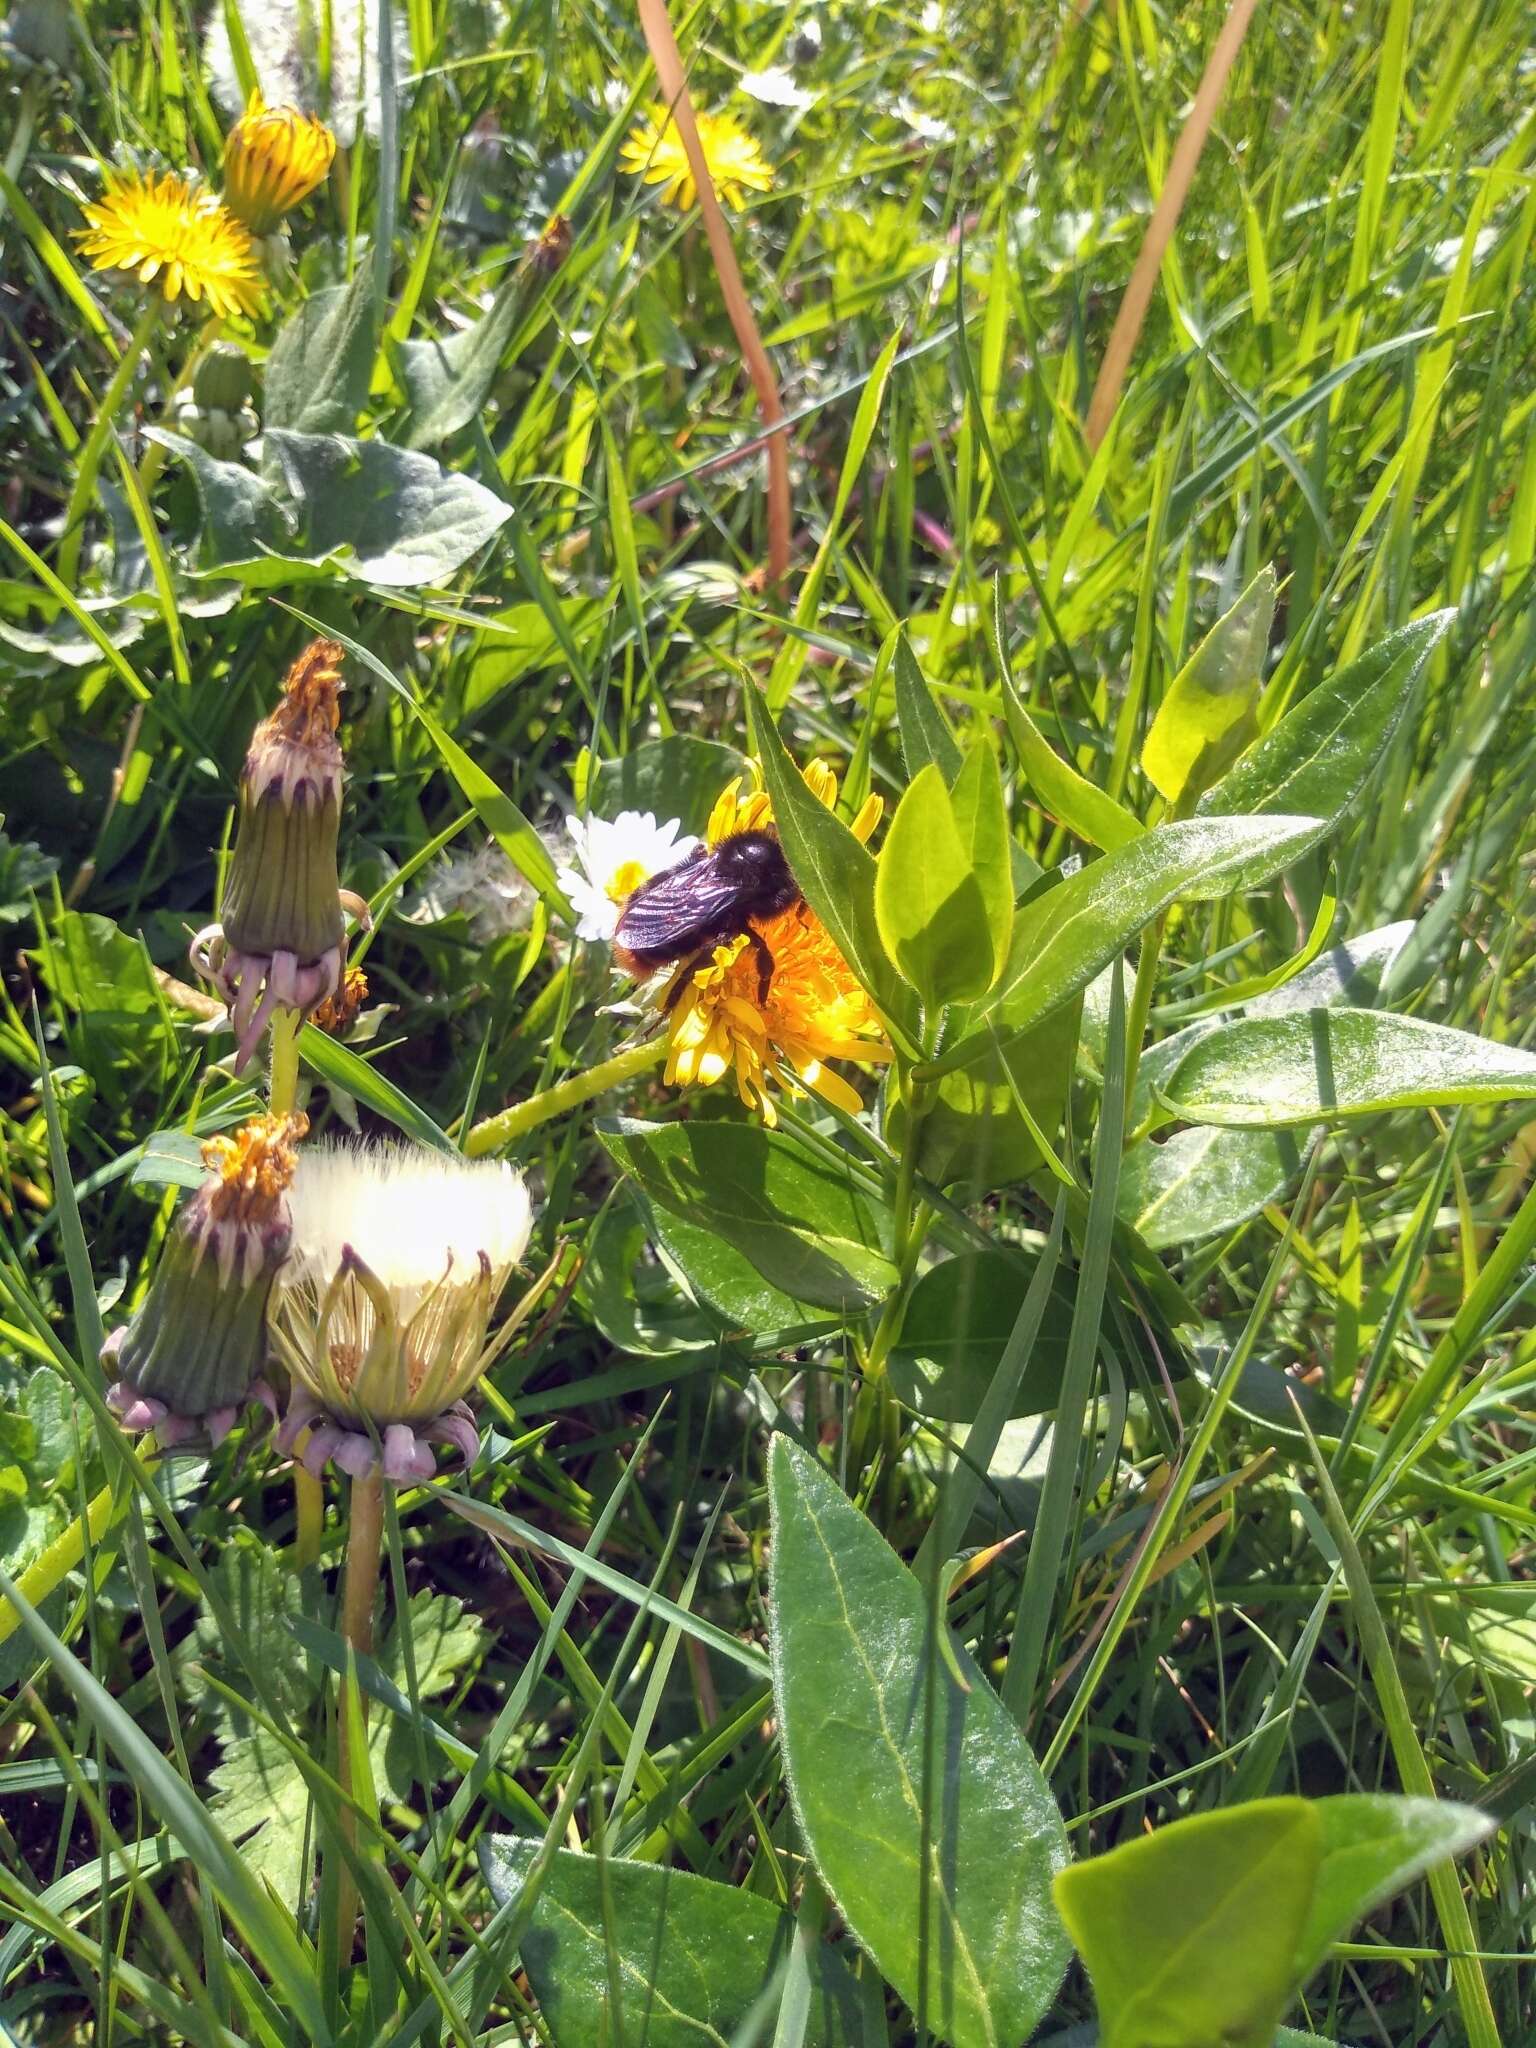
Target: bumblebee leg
(686, 970)
(764, 963)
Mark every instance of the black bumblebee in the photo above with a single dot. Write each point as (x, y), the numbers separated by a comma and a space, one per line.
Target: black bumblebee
(707, 899)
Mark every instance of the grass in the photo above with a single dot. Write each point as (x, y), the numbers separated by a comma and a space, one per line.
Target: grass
(1335, 377)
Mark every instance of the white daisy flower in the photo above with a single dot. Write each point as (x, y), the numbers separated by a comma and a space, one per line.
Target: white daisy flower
(382, 1308)
(613, 857)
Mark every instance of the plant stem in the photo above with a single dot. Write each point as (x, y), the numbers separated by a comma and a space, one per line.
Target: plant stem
(1141, 1000)
(365, 1537)
(496, 1131)
(282, 1094)
(90, 455)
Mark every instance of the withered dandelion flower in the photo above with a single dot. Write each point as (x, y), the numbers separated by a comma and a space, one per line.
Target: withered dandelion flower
(653, 150)
(274, 157)
(197, 1348)
(176, 236)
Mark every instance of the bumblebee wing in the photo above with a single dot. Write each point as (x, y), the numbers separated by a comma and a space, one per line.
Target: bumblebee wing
(676, 909)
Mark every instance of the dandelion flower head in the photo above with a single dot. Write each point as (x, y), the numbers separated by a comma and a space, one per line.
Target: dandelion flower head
(274, 157)
(613, 857)
(813, 1010)
(174, 235)
(653, 150)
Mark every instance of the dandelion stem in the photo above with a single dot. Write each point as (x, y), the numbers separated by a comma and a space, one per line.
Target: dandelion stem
(90, 455)
(365, 1538)
(496, 1131)
(282, 1093)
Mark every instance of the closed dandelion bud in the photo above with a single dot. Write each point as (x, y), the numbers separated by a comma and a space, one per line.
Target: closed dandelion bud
(382, 1310)
(197, 1348)
(274, 157)
(279, 942)
(216, 412)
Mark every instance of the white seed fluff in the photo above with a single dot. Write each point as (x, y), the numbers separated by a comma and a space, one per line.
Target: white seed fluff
(410, 1214)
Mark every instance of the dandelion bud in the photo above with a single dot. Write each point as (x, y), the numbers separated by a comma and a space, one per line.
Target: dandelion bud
(274, 157)
(279, 944)
(383, 1307)
(38, 35)
(217, 413)
(196, 1349)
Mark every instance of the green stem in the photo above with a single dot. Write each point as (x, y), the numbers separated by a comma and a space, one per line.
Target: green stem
(499, 1130)
(282, 1094)
(283, 1089)
(1141, 1000)
(90, 456)
(365, 1539)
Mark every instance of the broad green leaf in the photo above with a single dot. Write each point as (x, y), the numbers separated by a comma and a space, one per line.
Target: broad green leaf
(726, 1280)
(1064, 934)
(623, 1951)
(927, 1817)
(930, 905)
(807, 1227)
(400, 518)
(318, 373)
(1313, 1065)
(960, 1316)
(1319, 756)
(1175, 1191)
(1207, 715)
(925, 731)
(1191, 1934)
(1375, 1843)
(242, 519)
(444, 1637)
(449, 380)
(836, 873)
(981, 817)
(973, 1131)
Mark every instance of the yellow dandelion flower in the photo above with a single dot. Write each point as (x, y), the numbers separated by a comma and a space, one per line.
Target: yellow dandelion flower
(168, 232)
(814, 1011)
(723, 1021)
(654, 151)
(274, 157)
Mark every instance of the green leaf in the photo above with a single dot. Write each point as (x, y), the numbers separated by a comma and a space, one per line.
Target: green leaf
(1375, 1844)
(398, 516)
(1314, 1065)
(1064, 934)
(981, 816)
(930, 906)
(926, 1815)
(726, 1280)
(1319, 756)
(1190, 1186)
(242, 519)
(1207, 715)
(623, 1951)
(958, 1320)
(835, 873)
(926, 734)
(448, 381)
(973, 1130)
(1191, 1934)
(1089, 812)
(808, 1228)
(321, 363)
(348, 1070)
